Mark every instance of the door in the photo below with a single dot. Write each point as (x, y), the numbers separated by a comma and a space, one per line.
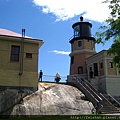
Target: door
(95, 69)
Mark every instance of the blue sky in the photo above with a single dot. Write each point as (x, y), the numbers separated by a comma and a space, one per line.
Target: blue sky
(51, 21)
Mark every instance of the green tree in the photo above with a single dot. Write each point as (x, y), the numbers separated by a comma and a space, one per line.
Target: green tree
(111, 30)
(115, 50)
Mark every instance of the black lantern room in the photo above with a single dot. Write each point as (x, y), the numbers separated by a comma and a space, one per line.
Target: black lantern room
(82, 30)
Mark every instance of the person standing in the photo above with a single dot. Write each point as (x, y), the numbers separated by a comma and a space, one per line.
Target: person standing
(40, 75)
(91, 74)
(57, 77)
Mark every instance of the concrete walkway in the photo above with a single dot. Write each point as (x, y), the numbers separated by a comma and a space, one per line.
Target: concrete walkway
(114, 114)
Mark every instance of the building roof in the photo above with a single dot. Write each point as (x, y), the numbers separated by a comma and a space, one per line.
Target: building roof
(96, 54)
(4, 33)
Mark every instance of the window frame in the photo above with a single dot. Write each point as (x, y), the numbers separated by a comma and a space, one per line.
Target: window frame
(101, 65)
(79, 44)
(72, 60)
(77, 31)
(14, 57)
(95, 68)
(80, 71)
(72, 46)
(29, 55)
(111, 64)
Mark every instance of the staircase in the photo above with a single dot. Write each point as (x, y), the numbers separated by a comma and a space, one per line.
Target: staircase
(94, 96)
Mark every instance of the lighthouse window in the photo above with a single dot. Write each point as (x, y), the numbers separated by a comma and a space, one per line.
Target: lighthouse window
(77, 31)
(80, 70)
(79, 43)
(76, 34)
(72, 59)
(72, 46)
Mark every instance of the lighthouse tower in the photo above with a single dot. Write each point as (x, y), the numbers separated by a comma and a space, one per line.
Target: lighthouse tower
(82, 47)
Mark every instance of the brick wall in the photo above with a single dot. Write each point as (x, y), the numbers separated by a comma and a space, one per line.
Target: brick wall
(9, 71)
(111, 71)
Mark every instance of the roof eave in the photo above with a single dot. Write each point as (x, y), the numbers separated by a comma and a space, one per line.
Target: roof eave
(15, 38)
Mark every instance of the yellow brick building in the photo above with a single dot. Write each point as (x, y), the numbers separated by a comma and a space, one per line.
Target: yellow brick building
(18, 60)
(106, 76)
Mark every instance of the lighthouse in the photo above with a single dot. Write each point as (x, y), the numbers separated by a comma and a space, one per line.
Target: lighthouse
(82, 47)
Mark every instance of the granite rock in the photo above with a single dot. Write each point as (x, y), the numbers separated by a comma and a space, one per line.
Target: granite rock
(54, 99)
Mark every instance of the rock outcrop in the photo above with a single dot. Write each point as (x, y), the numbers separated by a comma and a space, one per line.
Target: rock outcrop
(9, 98)
(53, 99)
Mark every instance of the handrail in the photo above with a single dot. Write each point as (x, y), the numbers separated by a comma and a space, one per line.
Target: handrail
(71, 37)
(105, 101)
(93, 92)
(54, 76)
(78, 35)
(99, 87)
(114, 99)
(87, 93)
(100, 94)
(91, 95)
(51, 78)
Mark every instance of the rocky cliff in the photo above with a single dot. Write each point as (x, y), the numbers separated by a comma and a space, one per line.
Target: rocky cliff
(53, 99)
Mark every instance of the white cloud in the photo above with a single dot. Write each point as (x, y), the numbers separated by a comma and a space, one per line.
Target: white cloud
(65, 9)
(60, 52)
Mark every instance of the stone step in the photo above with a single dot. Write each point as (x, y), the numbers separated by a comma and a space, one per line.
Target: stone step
(106, 109)
(109, 107)
(109, 110)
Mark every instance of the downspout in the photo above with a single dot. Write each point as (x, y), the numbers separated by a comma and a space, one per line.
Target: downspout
(22, 52)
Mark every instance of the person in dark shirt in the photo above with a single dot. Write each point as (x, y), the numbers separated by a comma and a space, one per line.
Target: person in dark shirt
(91, 74)
(40, 75)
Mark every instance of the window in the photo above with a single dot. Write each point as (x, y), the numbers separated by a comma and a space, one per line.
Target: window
(15, 51)
(72, 46)
(72, 59)
(101, 65)
(79, 43)
(80, 70)
(28, 55)
(77, 31)
(90, 68)
(111, 64)
(95, 69)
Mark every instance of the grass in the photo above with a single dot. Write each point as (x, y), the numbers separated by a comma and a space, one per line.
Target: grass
(65, 117)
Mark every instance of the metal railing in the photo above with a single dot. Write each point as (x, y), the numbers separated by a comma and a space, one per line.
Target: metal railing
(96, 95)
(78, 35)
(89, 93)
(108, 101)
(113, 100)
(51, 78)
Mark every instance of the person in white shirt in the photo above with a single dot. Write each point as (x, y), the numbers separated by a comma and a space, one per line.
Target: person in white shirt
(57, 77)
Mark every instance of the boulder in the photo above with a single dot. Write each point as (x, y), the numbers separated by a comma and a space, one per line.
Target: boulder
(8, 99)
(54, 99)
